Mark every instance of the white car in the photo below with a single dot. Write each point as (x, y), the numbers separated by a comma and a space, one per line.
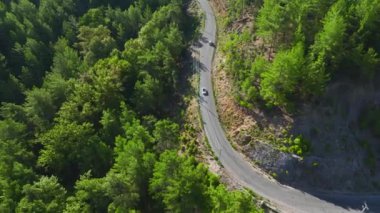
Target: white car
(204, 92)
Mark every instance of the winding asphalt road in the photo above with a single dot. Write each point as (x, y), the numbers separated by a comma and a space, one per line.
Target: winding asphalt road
(286, 199)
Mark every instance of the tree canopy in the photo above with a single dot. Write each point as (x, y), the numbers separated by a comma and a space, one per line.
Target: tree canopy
(84, 119)
(304, 44)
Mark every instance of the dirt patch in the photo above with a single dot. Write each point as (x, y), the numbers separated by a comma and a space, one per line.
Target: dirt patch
(239, 122)
(220, 6)
(233, 117)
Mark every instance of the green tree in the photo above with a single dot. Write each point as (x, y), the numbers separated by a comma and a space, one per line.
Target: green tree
(66, 60)
(128, 179)
(95, 43)
(128, 23)
(271, 20)
(307, 16)
(327, 50)
(90, 196)
(70, 149)
(124, 24)
(98, 89)
(231, 201)
(10, 88)
(35, 28)
(94, 17)
(180, 184)
(70, 29)
(45, 195)
(39, 107)
(281, 81)
(41, 104)
(249, 88)
(14, 32)
(159, 25)
(329, 41)
(166, 134)
(16, 163)
(36, 59)
(147, 96)
(238, 60)
(53, 13)
(111, 126)
(368, 12)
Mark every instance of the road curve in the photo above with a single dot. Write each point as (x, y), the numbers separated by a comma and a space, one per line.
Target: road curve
(287, 199)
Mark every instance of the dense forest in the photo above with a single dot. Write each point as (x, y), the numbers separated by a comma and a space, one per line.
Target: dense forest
(301, 46)
(86, 90)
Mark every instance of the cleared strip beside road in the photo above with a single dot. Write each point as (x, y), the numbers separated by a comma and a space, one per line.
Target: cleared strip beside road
(285, 198)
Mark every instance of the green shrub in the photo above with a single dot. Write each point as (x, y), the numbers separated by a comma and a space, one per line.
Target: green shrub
(298, 145)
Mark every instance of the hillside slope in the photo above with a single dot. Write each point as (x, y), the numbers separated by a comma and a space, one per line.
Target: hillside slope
(299, 96)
